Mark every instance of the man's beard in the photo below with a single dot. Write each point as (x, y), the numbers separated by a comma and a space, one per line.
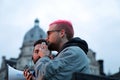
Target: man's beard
(51, 47)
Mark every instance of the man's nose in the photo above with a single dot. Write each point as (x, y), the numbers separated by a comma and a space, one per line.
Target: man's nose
(47, 39)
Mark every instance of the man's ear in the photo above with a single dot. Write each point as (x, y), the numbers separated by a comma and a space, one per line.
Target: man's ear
(62, 33)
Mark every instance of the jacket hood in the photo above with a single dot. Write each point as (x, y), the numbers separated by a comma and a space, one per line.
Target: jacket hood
(77, 42)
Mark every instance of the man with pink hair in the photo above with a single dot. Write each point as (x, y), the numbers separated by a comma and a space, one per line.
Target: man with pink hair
(71, 55)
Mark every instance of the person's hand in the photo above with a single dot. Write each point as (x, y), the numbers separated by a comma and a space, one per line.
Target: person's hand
(28, 75)
(43, 50)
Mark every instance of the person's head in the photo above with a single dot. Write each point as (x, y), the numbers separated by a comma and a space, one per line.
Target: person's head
(59, 32)
(37, 45)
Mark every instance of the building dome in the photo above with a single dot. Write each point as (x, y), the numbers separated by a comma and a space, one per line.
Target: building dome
(34, 33)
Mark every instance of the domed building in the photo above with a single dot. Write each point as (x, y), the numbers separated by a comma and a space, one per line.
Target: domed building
(24, 58)
(30, 37)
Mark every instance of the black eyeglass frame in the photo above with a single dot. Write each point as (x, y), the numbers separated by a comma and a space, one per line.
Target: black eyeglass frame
(48, 32)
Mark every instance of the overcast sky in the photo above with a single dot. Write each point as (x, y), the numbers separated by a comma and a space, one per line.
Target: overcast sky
(96, 21)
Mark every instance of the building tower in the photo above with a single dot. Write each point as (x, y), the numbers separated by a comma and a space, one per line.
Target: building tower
(30, 37)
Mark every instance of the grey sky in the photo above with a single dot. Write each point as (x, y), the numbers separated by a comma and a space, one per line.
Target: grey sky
(96, 21)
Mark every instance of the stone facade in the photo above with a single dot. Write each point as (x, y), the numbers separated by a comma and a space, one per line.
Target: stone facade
(94, 65)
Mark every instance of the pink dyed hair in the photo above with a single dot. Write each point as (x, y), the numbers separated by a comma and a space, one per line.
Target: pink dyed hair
(66, 25)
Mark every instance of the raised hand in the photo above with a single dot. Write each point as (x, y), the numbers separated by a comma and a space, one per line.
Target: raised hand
(28, 75)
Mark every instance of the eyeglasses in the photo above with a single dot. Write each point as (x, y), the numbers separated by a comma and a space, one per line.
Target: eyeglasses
(48, 32)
